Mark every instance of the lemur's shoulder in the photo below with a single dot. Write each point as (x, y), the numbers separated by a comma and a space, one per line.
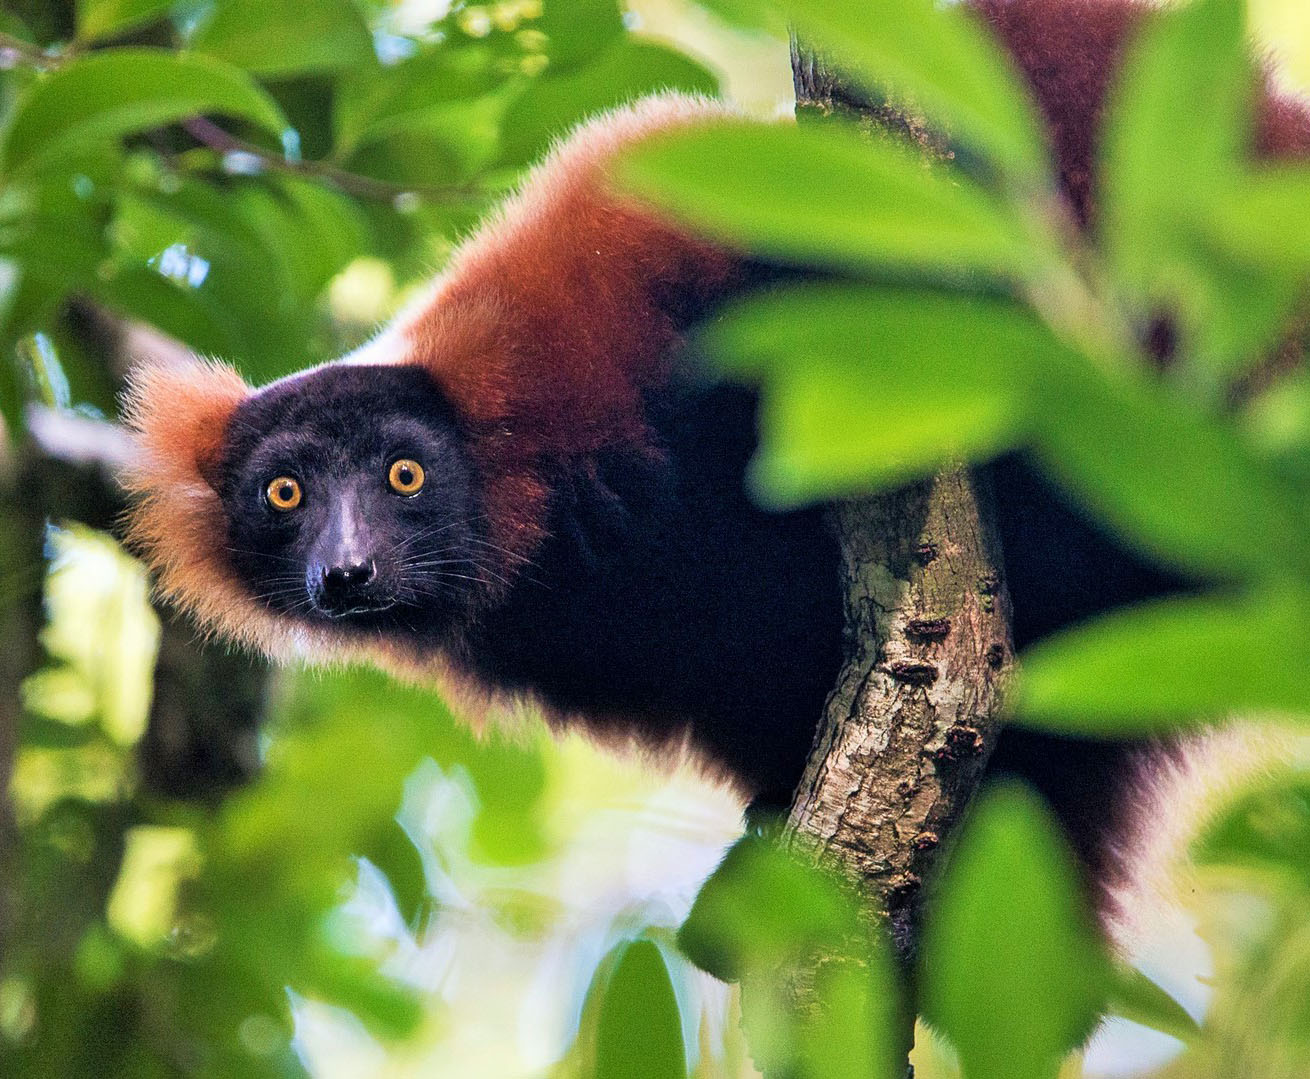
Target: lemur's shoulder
(551, 322)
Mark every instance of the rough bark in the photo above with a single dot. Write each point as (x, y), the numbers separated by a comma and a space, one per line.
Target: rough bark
(915, 713)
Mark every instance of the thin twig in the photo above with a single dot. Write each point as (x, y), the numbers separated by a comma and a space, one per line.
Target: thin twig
(210, 134)
(28, 52)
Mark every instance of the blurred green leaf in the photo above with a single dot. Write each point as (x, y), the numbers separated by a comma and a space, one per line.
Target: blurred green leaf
(578, 30)
(762, 918)
(1190, 61)
(867, 387)
(638, 1027)
(105, 18)
(311, 230)
(1173, 662)
(1266, 828)
(1137, 998)
(109, 94)
(1187, 61)
(1012, 971)
(373, 101)
(447, 143)
(936, 57)
(1176, 482)
(282, 37)
(764, 15)
(142, 293)
(552, 104)
(1264, 219)
(827, 196)
(277, 863)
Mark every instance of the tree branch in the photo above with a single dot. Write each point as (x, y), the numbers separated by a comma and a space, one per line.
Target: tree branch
(915, 712)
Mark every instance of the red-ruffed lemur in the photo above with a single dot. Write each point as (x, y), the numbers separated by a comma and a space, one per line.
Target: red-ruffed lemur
(522, 485)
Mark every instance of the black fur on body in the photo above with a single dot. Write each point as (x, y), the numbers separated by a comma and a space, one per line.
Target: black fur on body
(662, 595)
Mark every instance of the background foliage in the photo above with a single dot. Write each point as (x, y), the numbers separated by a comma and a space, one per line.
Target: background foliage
(264, 180)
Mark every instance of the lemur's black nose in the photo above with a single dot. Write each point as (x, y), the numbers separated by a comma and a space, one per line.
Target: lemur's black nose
(345, 588)
(347, 578)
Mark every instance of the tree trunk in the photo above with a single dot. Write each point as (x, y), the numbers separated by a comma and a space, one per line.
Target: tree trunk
(915, 712)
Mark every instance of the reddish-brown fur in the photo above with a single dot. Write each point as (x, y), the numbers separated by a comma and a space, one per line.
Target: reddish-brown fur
(548, 329)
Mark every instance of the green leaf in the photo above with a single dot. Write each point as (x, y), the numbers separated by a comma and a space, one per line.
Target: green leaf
(372, 100)
(105, 18)
(1189, 62)
(639, 1028)
(1178, 483)
(826, 195)
(868, 387)
(1171, 662)
(1265, 829)
(552, 104)
(764, 914)
(1181, 120)
(1265, 219)
(447, 143)
(750, 15)
(144, 294)
(1012, 971)
(122, 91)
(276, 865)
(577, 30)
(1137, 998)
(283, 37)
(935, 57)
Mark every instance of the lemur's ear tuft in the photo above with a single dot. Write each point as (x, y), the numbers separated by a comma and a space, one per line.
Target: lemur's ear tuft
(179, 412)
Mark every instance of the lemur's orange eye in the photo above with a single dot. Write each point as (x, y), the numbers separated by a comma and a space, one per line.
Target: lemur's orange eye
(406, 477)
(284, 494)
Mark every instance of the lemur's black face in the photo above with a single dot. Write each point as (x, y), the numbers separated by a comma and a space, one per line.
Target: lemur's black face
(349, 500)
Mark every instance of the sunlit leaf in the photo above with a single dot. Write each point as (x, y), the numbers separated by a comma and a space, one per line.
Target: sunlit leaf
(763, 916)
(1266, 829)
(105, 18)
(828, 196)
(281, 37)
(935, 57)
(1136, 997)
(638, 1030)
(109, 94)
(1012, 971)
(865, 387)
(1172, 480)
(1173, 661)
(630, 68)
